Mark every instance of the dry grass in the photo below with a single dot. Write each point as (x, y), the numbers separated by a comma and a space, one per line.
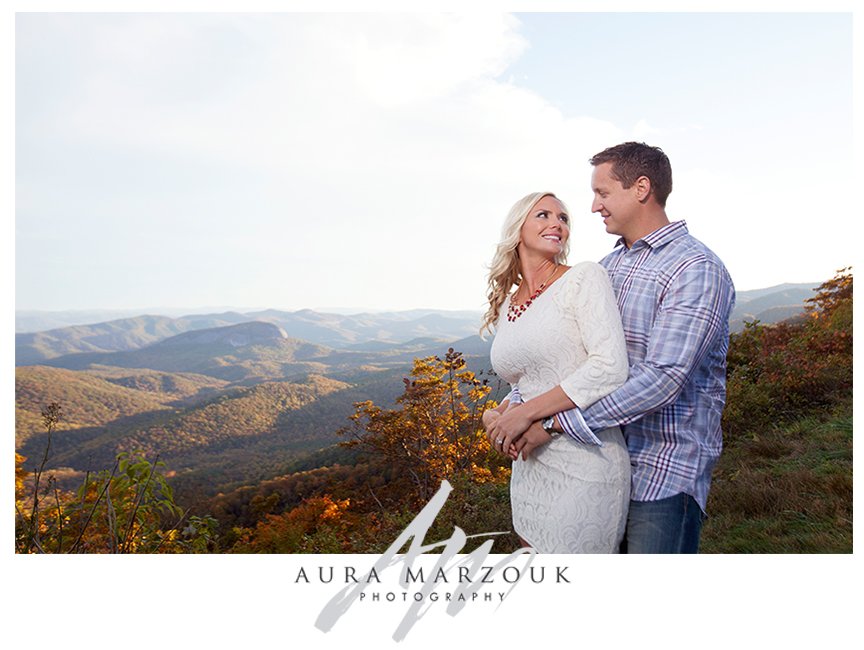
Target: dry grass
(787, 490)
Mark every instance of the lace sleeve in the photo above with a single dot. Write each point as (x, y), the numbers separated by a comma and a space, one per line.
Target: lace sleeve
(589, 299)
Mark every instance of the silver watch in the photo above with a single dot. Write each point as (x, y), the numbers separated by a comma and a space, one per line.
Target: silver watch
(548, 425)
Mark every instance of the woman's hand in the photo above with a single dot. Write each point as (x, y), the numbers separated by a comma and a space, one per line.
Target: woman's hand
(489, 417)
(507, 428)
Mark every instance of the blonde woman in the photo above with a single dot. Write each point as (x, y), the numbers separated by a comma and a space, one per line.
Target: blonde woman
(558, 338)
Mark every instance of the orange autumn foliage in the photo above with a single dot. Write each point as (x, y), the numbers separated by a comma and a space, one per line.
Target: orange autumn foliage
(437, 432)
(777, 373)
(318, 525)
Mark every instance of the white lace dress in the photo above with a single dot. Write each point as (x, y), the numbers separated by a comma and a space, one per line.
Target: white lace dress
(569, 497)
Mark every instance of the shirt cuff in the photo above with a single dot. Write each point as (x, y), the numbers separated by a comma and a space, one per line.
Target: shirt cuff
(573, 424)
(514, 396)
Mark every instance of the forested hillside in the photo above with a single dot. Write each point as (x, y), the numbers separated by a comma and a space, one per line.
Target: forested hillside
(90, 401)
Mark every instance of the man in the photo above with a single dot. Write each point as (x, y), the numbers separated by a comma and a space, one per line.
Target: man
(675, 298)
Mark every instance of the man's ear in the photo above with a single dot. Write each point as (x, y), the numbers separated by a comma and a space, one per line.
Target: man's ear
(643, 188)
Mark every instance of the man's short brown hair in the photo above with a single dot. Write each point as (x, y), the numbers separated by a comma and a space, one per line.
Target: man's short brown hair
(631, 160)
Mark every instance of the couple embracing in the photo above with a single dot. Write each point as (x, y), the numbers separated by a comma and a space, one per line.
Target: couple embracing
(617, 369)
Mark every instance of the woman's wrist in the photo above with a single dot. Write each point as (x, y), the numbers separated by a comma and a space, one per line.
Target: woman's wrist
(533, 410)
(547, 405)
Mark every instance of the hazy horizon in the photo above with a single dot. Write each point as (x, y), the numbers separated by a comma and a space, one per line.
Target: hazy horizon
(202, 309)
(32, 321)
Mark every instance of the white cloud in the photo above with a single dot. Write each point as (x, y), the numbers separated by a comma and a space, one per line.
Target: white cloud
(311, 143)
(404, 60)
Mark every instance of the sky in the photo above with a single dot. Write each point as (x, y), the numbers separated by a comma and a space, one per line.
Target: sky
(367, 161)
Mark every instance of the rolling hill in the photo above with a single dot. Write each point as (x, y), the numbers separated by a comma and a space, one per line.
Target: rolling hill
(236, 435)
(248, 352)
(361, 332)
(87, 401)
(328, 330)
(123, 334)
(257, 351)
(770, 305)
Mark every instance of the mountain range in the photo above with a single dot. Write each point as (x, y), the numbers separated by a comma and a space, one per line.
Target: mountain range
(221, 406)
(227, 399)
(771, 305)
(368, 332)
(355, 332)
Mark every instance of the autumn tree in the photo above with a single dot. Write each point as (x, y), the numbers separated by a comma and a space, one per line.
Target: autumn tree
(436, 432)
(833, 298)
(777, 373)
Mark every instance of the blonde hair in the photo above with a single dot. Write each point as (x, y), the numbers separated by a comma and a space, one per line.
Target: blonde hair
(504, 269)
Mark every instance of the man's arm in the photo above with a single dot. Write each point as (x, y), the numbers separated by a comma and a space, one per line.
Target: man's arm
(692, 312)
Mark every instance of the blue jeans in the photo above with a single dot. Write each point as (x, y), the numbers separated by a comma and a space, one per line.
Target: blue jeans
(671, 525)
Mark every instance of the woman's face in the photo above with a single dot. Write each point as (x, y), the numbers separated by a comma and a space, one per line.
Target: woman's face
(546, 228)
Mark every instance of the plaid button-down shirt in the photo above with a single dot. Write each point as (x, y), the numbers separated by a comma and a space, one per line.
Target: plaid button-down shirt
(675, 298)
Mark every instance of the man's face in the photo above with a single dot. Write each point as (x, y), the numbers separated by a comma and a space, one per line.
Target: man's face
(617, 205)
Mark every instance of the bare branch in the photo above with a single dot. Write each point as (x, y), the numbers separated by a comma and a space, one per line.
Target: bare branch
(93, 509)
(127, 538)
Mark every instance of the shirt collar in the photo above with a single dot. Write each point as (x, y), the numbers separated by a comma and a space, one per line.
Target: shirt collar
(659, 237)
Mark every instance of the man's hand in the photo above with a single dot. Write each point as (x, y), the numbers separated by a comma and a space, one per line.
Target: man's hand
(506, 429)
(533, 438)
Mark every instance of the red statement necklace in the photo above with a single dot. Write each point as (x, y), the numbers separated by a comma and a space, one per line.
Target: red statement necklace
(515, 311)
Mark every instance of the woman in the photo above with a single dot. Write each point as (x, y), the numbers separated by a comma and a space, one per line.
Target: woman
(559, 338)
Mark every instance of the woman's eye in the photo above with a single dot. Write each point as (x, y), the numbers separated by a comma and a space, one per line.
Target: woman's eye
(542, 215)
(564, 218)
